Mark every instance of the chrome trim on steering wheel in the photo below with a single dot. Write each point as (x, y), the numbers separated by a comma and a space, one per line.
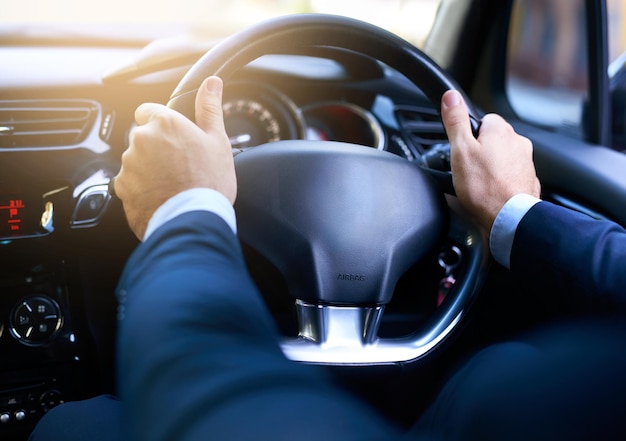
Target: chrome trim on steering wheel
(352, 346)
(338, 326)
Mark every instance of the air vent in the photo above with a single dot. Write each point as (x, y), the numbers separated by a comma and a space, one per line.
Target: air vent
(45, 123)
(422, 126)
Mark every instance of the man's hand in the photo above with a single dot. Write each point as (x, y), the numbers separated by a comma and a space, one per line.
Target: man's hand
(487, 171)
(169, 154)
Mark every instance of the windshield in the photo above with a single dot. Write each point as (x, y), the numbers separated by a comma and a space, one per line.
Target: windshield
(149, 19)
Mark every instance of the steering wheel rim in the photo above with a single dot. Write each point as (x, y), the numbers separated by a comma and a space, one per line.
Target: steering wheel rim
(357, 344)
(296, 33)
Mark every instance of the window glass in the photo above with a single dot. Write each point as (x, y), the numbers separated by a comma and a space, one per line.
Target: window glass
(547, 63)
(411, 19)
(617, 34)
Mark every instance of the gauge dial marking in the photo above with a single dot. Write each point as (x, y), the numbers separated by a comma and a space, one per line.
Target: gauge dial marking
(248, 123)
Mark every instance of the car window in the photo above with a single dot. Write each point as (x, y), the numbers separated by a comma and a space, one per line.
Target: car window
(617, 40)
(617, 29)
(411, 19)
(547, 63)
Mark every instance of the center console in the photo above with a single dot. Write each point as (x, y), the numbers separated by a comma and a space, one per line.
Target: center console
(42, 361)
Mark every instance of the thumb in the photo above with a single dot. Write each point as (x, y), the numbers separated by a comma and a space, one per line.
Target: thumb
(456, 117)
(209, 105)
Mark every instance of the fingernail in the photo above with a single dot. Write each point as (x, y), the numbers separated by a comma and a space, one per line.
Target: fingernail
(451, 98)
(213, 85)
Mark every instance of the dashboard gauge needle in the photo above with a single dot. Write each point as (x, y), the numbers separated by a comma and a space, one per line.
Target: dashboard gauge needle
(240, 140)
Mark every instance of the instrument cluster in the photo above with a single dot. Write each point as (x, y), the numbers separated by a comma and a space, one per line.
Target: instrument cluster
(256, 114)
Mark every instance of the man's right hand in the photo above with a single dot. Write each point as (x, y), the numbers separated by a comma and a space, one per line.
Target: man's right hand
(486, 171)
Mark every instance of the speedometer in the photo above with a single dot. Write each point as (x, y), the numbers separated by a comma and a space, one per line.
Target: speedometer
(248, 123)
(256, 113)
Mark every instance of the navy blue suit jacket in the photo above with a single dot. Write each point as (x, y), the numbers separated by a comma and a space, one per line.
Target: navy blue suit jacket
(199, 359)
(198, 352)
(581, 258)
(562, 378)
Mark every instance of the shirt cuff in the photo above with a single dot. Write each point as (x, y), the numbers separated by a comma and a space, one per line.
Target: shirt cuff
(195, 199)
(505, 226)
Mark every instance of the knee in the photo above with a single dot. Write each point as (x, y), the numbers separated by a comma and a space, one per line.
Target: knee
(97, 418)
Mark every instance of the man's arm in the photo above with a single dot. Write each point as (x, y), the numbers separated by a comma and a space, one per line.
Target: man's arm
(505, 226)
(495, 180)
(582, 257)
(198, 351)
(194, 199)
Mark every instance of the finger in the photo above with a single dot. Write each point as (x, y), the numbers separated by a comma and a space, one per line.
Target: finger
(146, 112)
(111, 186)
(455, 117)
(494, 122)
(209, 105)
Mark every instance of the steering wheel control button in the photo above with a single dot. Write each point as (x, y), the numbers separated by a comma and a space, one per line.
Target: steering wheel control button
(5, 418)
(91, 205)
(36, 320)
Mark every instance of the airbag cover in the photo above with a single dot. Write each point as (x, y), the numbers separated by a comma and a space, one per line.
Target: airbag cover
(341, 222)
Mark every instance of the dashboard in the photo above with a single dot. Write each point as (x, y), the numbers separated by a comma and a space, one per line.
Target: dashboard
(61, 136)
(65, 116)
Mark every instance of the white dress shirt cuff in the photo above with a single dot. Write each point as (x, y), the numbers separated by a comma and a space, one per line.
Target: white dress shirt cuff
(505, 226)
(195, 199)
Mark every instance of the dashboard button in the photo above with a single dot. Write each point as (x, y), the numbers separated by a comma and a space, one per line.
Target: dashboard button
(91, 205)
(51, 399)
(35, 320)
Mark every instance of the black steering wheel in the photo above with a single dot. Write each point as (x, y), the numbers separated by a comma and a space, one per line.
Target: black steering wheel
(342, 222)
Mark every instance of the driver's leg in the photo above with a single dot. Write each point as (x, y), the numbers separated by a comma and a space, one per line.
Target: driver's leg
(95, 419)
(564, 382)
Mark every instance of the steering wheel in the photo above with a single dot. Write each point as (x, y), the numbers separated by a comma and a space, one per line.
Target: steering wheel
(342, 222)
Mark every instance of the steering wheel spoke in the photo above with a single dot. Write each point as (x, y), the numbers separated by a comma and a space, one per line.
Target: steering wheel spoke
(339, 326)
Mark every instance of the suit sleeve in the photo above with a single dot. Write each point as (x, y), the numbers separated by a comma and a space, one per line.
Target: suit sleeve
(582, 258)
(197, 350)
